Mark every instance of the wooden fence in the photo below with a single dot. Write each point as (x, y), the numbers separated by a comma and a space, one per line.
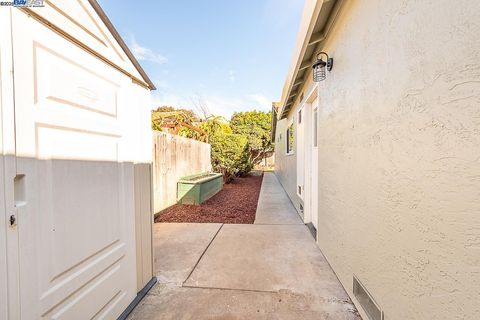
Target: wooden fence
(175, 157)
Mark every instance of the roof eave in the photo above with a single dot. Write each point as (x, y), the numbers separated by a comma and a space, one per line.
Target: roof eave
(317, 20)
(98, 9)
(274, 121)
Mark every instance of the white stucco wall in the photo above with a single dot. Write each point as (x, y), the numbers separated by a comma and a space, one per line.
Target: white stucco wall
(286, 164)
(399, 155)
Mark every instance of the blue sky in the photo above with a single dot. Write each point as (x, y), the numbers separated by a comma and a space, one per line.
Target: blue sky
(230, 55)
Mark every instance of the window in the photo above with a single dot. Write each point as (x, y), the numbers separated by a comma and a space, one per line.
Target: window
(315, 127)
(300, 116)
(289, 139)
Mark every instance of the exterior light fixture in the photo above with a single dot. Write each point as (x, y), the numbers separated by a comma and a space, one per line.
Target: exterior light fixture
(319, 73)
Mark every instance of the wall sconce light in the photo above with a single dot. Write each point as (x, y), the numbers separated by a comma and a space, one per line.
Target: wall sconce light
(319, 73)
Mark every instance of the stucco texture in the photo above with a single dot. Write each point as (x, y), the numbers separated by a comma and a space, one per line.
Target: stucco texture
(399, 155)
(286, 164)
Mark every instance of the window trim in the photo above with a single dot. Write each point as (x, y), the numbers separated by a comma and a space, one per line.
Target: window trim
(291, 124)
(315, 127)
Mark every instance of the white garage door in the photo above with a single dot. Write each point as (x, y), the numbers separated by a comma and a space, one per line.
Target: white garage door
(73, 193)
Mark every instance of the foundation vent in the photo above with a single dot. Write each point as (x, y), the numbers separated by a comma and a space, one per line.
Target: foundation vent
(366, 300)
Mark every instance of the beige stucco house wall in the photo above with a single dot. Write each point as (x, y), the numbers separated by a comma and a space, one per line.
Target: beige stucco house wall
(285, 164)
(398, 152)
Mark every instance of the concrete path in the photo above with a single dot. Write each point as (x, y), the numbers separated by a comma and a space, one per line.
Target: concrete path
(274, 206)
(269, 270)
(177, 248)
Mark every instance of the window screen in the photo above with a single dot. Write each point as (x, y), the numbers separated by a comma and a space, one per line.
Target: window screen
(290, 141)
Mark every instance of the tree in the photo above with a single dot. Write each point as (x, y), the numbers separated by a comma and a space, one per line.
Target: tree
(200, 106)
(215, 124)
(187, 115)
(256, 126)
(230, 152)
(236, 144)
(230, 155)
(177, 121)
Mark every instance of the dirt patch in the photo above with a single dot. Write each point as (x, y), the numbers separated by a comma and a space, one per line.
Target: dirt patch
(235, 203)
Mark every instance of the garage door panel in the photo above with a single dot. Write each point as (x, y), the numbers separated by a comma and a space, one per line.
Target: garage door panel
(92, 298)
(85, 209)
(71, 84)
(75, 218)
(75, 143)
(75, 235)
(69, 87)
(78, 18)
(67, 283)
(80, 23)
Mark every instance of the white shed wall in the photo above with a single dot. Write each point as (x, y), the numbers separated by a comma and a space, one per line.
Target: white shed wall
(82, 156)
(8, 237)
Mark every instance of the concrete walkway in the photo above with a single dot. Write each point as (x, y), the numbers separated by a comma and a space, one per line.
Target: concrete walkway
(269, 270)
(274, 206)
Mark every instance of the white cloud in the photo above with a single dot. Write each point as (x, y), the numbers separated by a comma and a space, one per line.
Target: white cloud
(161, 84)
(168, 99)
(225, 106)
(231, 75)
(222, 105)
(261, 101)
(144, 53)
(217, 103)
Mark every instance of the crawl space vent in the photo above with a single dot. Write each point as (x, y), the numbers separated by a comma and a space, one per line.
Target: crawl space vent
(366, 300)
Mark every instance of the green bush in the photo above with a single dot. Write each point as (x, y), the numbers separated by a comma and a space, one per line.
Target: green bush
(230, 155)
(236, 145)
(256, 126)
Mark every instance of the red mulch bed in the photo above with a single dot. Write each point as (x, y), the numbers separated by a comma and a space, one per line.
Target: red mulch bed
(235, 203)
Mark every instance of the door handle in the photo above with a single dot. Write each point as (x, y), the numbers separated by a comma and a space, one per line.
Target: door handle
(19, 190)
(19, 197)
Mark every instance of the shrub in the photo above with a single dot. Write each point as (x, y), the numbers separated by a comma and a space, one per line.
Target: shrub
(256, 126)
(230, 155)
